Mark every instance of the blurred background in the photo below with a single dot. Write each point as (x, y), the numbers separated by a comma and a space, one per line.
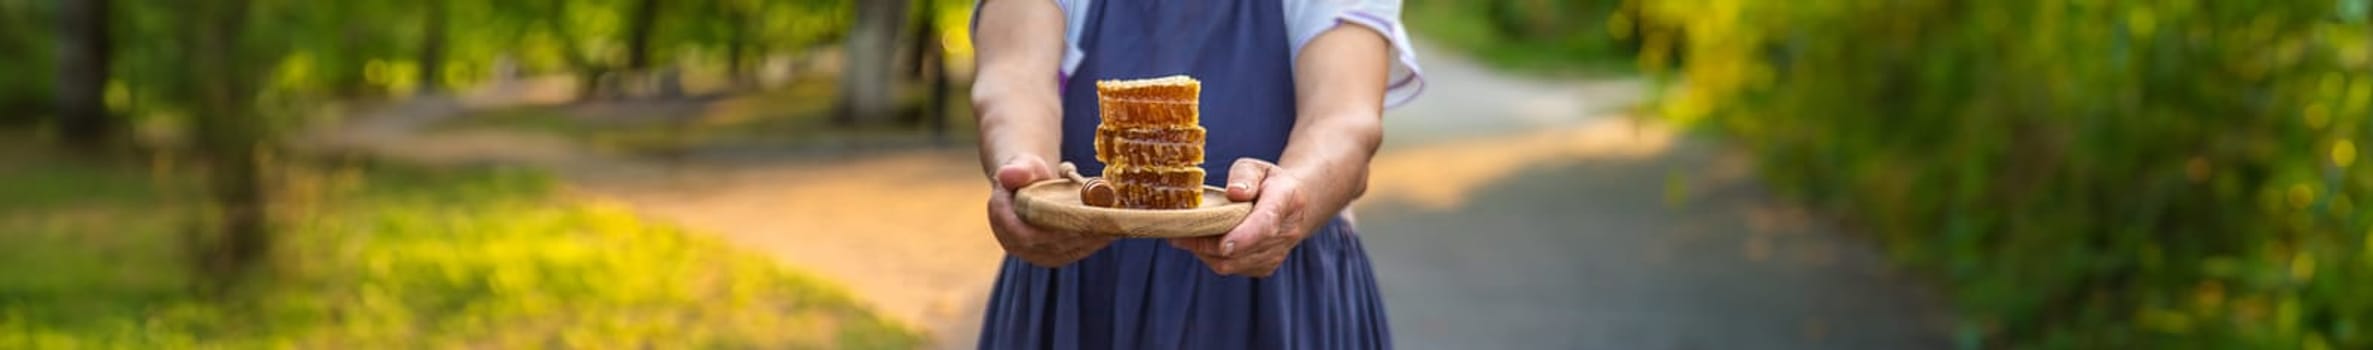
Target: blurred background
(800, 174)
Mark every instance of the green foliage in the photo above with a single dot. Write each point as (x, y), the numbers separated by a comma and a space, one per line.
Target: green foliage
(2082, 173)
(404, 258)
(1531, 34)
(304, 53)
(26, 53)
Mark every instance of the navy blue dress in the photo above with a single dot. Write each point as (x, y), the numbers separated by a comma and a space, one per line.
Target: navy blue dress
(1144, 294)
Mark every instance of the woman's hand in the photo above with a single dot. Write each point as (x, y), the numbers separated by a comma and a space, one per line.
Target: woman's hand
(1280, 219)
(1019, 46)
(1339, 101)
(1045, 248)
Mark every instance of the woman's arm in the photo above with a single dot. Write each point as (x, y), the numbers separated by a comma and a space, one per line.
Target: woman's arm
(1020, 44)
(1339, 84)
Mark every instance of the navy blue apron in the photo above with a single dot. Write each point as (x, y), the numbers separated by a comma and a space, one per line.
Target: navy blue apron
(1144, 294)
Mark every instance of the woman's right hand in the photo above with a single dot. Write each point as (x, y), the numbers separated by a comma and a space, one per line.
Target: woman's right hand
(1045, 248)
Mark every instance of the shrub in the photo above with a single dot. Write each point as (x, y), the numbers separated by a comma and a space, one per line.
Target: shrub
(2080, 173)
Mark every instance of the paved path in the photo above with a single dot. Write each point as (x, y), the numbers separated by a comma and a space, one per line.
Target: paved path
(1516, 214)
(1505, 213)
(1596, 240)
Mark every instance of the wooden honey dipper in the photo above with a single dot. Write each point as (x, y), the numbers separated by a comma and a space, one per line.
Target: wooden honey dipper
(1092, 191)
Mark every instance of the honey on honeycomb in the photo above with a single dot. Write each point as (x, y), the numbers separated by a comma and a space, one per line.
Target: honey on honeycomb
(1168, 187)
(1150, 145)
(1146, 111)
(1151, 142)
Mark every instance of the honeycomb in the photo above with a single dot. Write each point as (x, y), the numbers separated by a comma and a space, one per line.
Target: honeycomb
(1150, 145)
(1151, 142)
(1166, 187)
(1164, 101)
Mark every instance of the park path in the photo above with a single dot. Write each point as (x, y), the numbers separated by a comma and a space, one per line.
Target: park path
(1504, 213)
(1513, 213)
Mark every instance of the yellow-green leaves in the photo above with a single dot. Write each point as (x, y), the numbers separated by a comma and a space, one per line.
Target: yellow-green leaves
(2344, 153)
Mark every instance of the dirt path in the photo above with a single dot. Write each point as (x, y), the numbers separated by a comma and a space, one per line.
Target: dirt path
(903, 229)
(1504, 213)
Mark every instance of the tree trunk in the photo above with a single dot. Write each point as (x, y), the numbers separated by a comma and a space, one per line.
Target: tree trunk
(83, 56)
(938, 112)
(228, 139)
(432, 48)
(645, 19)
(865, 91)
(638, 40)
(923, 43)
(737, 68)
(935, 114)
(349, 59)
(589, 74)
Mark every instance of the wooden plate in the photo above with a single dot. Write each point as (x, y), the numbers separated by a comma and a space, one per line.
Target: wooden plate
(1055, 204)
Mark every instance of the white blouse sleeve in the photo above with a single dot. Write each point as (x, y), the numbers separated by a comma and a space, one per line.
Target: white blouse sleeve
(1075, 21)
(1075, 17)
(1305, 19)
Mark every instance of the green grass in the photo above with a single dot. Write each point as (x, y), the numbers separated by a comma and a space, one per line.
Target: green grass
(376, 256)
(545, 119)
(70, 183)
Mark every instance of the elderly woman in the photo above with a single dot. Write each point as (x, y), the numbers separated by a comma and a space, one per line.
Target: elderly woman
(1293, 90)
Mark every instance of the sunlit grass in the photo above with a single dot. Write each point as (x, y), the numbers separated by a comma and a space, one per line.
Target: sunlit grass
(377, 256)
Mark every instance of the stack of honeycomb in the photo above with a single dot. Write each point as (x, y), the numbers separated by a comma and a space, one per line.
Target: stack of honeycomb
(1150, 142)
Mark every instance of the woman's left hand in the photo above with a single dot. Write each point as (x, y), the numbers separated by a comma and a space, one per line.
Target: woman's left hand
(1280, 219)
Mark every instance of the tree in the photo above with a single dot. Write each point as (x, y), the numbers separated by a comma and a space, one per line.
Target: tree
(228, 136)
(865, 91)
(2079, 174)
(931, 63)
(638, 38)
(26, 89)
(737, 39)
(573, 52)
(643, 21)
(84, 54)
(432, 46)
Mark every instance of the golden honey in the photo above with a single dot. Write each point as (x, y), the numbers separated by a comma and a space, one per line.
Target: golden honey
(1150, 145)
